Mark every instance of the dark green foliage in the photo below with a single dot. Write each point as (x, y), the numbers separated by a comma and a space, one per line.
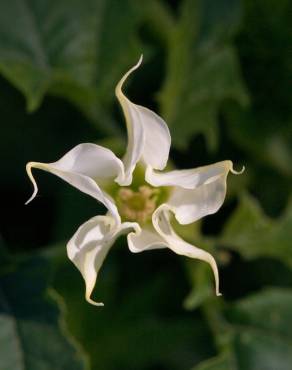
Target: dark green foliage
(32, 334)
(219, 73)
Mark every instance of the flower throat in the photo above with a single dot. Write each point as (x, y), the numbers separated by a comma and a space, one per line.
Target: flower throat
(137, 205)
(137, 202)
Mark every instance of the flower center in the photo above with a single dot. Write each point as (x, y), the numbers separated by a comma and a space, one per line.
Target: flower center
(137, 205)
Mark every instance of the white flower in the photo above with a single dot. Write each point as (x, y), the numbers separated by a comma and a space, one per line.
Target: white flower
(142, 208)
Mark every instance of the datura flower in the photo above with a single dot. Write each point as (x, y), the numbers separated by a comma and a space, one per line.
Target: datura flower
(140, 206)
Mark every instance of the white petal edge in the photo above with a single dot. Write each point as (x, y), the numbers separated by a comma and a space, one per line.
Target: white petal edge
(90, 245)
(161, 223)
(145, 239)
(81, 167)
(190, 178)
(148, 135)
(196, 192)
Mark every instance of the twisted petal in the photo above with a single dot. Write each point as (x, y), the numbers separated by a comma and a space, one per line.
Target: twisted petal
(148, 135)
(161, 223)
(197, 192)
(188, 179)
(82, 167)
(145, 239)
(89, 246)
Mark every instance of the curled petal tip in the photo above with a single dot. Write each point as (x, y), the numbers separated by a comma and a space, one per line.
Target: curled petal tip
(89, 300)
(98, 304)
(119, 86)
(218, 294)
(137, 65)
(35, 187)
(31, 198)
(237, 172)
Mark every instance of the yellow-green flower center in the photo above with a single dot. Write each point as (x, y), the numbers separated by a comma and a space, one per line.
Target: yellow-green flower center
(137, 202)
(137, 205)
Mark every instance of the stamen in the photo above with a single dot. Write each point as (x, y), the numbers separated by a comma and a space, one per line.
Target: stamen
(137, 205)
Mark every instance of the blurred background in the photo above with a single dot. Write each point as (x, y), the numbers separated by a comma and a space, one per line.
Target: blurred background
(219, 73)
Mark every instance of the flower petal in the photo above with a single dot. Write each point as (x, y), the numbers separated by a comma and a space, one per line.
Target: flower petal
(89, 246)
(157, 139)
(148, 135)
(161, 223)
(145, 239)
(197, 192)
(80, 167)
(190, 178)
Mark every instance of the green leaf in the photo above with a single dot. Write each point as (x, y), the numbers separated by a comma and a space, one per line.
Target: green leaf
(264, 48)
(221, 362)
(264, 131)
(32, 336)
(202, 285)
(202, 70)
(52, 40)
(267, 312)
(251, 233)
(74, 49)
(264, 137)
(261, 337)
